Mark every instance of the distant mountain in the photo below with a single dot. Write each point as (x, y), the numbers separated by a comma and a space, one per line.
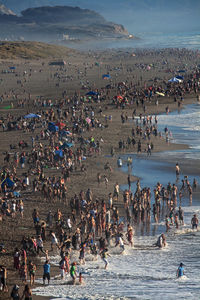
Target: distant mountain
(136, 15)
(58, 24)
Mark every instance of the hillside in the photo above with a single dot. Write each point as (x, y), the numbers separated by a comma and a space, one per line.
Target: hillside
(32, 50)
(50, 24)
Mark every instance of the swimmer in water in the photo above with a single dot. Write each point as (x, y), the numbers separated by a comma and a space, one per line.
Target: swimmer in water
(161, 242)
(180, 271)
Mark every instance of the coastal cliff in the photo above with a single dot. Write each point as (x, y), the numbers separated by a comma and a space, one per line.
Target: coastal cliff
(59, 23)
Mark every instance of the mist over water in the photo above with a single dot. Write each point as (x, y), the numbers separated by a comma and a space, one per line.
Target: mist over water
(147, 40)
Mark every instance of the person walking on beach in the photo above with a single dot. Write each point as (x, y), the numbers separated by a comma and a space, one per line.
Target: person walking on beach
(180, 271)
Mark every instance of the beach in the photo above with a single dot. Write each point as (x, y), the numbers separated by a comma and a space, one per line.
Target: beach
(29, 88)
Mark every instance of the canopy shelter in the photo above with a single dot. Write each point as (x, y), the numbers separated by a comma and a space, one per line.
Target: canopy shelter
(52, 127)
(57, 63)
(29, 116)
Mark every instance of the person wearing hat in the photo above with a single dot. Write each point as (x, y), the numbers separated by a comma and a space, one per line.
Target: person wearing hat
(180, 270)
(194, 221)
(15, 293)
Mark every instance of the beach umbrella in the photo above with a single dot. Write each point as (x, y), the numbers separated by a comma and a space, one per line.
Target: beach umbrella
(66, 145)
(160, 94)
(92, 93)
(88, 120)
(181, 71)
(52, 127)
(180, 77)
(29, 116)
(106, 76)
(59, 153)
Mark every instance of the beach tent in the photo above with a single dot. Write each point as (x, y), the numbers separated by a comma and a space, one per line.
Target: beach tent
(92, 93)
(181, 71)
(180, 77)
(57, 63)
(52, 127)
(65, 132)
(60, 125)
(12, 68)
(106, 76)
(29, 116)
(59, 153)
(66, 145)
(174, 79)
(8, 182)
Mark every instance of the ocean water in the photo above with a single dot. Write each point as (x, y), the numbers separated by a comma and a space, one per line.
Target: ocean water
(145, 272)
(154, 40)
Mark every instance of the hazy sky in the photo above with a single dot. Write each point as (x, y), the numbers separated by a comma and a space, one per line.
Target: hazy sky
(135, 15)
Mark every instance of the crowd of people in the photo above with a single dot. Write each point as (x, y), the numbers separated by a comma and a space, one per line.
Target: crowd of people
(55, 145)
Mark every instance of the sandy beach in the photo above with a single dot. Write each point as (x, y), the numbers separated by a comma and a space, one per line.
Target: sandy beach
(31, 85)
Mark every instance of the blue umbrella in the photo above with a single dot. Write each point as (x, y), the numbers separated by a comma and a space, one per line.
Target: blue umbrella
(180, 77)
(106, 76)
(29, 116)
(92, 93)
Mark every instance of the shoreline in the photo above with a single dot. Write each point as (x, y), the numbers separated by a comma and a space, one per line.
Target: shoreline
(96, 163)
